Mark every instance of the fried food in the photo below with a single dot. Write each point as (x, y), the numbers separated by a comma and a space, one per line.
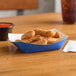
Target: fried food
(40, 42)
(36, 38)
(28, 35)
(40, 37)
(40, 32)
(52, 40)
(57, 35)
(18, 40)
(25, 41)
(50, 33)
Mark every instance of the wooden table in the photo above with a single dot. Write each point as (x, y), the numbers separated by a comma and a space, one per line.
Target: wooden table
(50, 63)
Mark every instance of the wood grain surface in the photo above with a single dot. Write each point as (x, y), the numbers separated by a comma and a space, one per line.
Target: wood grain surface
(49, 63)
(18, 4)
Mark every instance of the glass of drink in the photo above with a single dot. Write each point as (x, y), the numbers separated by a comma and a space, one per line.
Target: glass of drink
(5, 28)
(68, 11)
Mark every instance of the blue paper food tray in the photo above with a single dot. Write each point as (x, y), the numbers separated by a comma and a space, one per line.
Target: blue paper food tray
(29, 48)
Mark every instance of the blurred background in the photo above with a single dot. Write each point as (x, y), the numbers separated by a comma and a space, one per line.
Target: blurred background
(10, 8)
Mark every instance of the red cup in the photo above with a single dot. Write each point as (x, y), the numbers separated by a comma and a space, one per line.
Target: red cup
(5, 28)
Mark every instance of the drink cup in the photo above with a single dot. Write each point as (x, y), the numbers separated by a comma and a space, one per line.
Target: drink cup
(68, 11)
(5, 28)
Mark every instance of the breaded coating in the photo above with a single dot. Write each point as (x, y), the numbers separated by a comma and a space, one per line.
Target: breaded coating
(57, 35)
(40, 32)
(36, 38)
(50, 33)
(28, 35)
(25, 41)
(52, 40)
(41, 42)
(40, 37)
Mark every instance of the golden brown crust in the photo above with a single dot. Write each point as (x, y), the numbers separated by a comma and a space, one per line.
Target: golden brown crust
(28, 35)
(25, 41)
(40, 37)
(40, 42)
(57, 35)
(52, 40)
(50, 33)
(36, 38)
(18, 40)
(40, 32)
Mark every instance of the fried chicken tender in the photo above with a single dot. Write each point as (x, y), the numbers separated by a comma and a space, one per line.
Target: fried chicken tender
(18, 40)
(36, 38)
(40, 37)
(45, 33)
(40, 42)
(28, 35)
(40, 32)
(50, 33)
(25, 41)
(52, 40)
(57, 35)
